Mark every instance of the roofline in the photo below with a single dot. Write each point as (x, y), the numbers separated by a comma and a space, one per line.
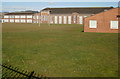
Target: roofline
(80, 7)
(19, 14)
(101, 12)
(73, 7)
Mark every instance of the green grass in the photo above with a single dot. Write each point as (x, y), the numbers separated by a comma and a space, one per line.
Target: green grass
(60, 50)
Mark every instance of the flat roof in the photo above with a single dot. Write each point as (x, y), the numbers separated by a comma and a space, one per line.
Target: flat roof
(20, 13)
(80, 10)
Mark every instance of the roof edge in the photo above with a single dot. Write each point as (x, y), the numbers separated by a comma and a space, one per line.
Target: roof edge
(102, 12)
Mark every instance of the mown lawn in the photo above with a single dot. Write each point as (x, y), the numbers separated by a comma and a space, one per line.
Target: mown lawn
(60, 50)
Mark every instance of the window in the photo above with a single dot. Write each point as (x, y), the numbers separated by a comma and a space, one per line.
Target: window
(22, 21)
(93, 24)
(29, 21)
(16, 20)
(11, 16)
(65, 19)
(17, 16)
(114, 24)
(56, 19)
(80, 19)
(37, 17)
(6, 20)
(44, 18)
(69, 19)
(74, 18)
(11, 20)
(29, 16)
(60, 19)
(23, 16)
(6, 16)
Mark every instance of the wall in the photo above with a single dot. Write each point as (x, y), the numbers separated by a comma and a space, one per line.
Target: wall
(103, 21)
(51, 18)
(18, 18)
(36, 18)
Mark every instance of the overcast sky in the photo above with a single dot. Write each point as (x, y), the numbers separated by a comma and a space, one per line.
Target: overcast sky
(21, 6)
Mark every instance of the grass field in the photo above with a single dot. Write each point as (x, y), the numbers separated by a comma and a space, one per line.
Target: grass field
(60, 50)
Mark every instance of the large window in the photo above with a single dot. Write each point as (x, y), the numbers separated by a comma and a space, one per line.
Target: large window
(56, 20)
(29, 16)
(5, 20)
(69, 19)
(74, 18)
(22, 21)
(22, 16)
(17, 20)
(60, 19)
(92, 24)
(80, 19)
(17, 16)
(65, 19)
(114, 24)
(11, 16)
(29, 21)
(11, 20)
(6, 16)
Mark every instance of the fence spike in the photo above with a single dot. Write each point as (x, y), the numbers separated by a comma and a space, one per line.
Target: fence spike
(16, 72)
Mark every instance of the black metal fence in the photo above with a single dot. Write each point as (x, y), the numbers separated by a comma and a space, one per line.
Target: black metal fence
(9, 72)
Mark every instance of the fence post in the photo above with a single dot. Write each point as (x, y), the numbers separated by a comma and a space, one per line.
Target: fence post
(10, 71)
(31, 75)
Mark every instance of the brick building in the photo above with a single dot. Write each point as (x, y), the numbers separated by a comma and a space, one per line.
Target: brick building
(18, 17)
(69, 15)
(36, 17)
(106, 22)
(54, 15)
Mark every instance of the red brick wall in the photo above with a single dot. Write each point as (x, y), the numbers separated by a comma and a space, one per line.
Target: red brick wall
(62, 15)
(103, 21)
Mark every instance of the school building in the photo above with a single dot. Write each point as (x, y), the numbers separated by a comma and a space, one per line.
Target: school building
(54, 15)
(106, 22)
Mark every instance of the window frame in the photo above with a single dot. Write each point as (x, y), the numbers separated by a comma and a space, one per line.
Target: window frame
(22, 16)
(29, 16)
(6, 16)
(111, 27)
(92, 27)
